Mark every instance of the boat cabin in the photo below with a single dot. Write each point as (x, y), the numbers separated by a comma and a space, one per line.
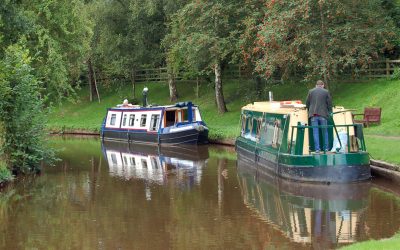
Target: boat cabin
(155, 123)
(285, 126)
(278, 137)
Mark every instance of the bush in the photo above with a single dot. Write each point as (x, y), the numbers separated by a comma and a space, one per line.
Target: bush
(396, 74)
(22, 113)
(5, 174)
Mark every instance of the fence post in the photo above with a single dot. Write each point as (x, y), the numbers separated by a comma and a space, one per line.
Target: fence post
(387, 67)
(369, 71)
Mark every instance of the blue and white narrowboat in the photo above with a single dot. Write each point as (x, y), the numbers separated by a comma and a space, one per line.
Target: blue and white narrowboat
(180, 123)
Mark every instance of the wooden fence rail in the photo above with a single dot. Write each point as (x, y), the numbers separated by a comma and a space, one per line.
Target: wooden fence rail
(161, 74)
(376, 69)
(382, 68)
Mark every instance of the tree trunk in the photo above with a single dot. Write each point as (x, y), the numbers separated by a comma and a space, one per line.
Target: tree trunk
(133, 80)
(173, 93)
(258, 81)
(95, 84)
(324, 45)
(92, 83)
(219, 95)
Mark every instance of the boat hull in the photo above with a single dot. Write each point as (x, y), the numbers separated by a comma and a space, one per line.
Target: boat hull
(190, 136)
(335, 168)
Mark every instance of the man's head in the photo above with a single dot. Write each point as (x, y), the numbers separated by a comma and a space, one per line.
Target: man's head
(320, 84)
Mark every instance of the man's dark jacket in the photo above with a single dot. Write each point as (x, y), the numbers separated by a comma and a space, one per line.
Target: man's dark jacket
(319, 102)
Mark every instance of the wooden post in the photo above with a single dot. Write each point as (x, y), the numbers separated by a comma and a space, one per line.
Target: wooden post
(369, 71)
(240, 74)
(387, 67)
(133, 80)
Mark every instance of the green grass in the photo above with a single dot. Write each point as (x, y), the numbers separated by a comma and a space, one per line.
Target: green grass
(383, 244)
(381, 148)
(382, 93)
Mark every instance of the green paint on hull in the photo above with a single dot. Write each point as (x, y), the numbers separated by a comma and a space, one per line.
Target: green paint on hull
(314, 160)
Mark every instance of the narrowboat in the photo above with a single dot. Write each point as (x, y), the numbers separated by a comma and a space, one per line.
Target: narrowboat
(180, 123)
(154, 163)
(277, 136)
(315, 215)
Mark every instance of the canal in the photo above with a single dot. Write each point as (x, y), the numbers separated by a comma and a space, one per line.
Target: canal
(120, 196)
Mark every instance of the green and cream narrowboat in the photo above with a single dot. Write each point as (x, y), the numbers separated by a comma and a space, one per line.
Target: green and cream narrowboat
(277, 136)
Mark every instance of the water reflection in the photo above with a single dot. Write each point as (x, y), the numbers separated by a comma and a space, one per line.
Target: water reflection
(318, 214)
(154, 164)
(82, 203)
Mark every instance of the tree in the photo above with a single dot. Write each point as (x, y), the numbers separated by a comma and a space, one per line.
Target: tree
(56, 32)
(22, 116)
(127, 36)
(321, 38)
(253, 15)
(203, 37)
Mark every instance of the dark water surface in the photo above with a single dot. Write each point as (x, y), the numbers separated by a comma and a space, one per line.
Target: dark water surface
(140, 197)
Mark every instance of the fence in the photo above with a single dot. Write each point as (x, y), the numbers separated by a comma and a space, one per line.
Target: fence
(151, 75)
(161, 74)
(382, 68)
(376, 69)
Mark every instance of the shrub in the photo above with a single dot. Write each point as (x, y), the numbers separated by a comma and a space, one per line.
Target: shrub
(22, 113)
(5, 174)
(396, 74)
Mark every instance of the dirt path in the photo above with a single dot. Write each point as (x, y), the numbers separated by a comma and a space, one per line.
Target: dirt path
(391, 137)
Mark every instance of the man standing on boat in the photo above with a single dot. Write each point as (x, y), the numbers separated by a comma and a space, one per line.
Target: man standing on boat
(319, 105)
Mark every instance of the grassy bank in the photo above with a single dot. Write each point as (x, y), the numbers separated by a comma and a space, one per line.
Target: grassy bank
(383, 93)
(387, 244)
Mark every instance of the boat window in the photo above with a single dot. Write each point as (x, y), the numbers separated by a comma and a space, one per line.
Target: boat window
(254, 127)
(114, 159)
(244, 122)
(131, 120)
(184, 115)
(276, 134)
(125, 160)
(169, 118)
(143, 121)
(124, 120)
(133, 162)
(154, 122)
(113, 119)
(259, 123)
(249, 125)
(144, 163)
(154, 163)
(194, 114)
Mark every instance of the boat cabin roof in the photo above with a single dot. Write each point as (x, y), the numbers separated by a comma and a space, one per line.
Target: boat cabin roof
(278, 107)
(151, 107)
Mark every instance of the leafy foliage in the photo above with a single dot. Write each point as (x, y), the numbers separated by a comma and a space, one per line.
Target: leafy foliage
(322, 38)
(396, 74)
(21, 113)
(56, 32)
(5, 174)
(203, 33)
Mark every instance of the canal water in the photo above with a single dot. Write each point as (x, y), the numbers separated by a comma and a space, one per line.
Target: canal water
(120, 196)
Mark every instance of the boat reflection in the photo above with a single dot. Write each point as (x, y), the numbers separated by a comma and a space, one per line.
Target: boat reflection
(154, 164)
(320, 215)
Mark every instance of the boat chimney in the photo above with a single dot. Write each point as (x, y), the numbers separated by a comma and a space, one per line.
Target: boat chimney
(271, 96)
(145, 90)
